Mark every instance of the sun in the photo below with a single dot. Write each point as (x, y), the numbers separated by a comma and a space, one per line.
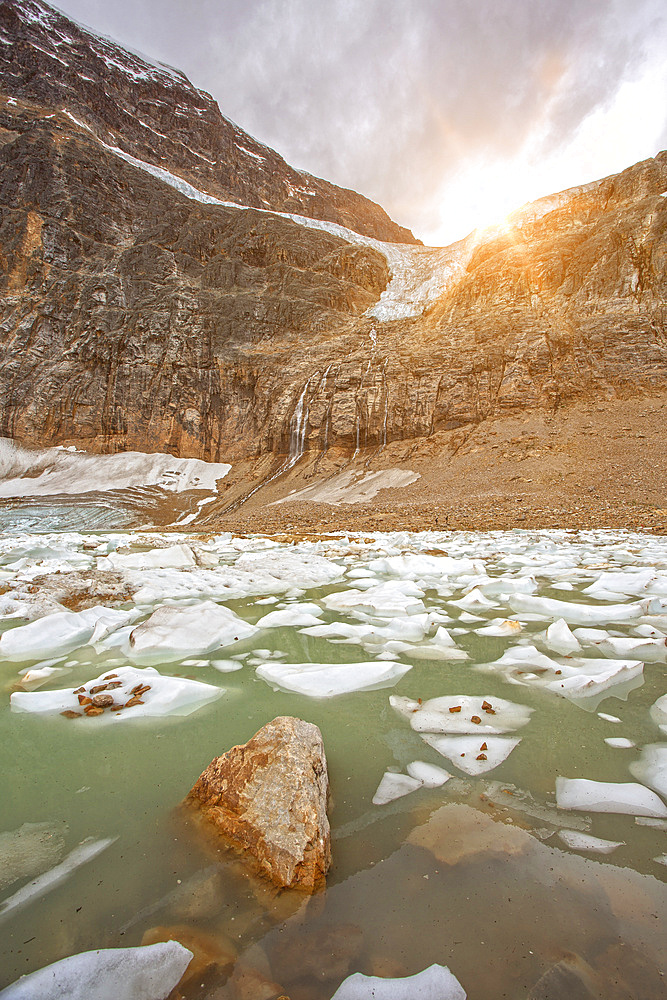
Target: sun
(482, 198)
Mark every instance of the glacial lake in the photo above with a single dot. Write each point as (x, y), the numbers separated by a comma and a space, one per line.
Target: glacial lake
(486, 873)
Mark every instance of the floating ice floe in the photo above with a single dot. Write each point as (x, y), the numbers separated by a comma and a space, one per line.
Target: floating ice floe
(649, 650)
(386, 600)
(619, 743)
(174, 633)
(267, 572)
(174, 557)
(147, 973)
(297, 615)
(659, 713)
(430, 775)
(462, 714)
(500, 627)
(434, 983)
(608, 718)
(59, 633)
(560, 638)
(325, 680)
(651, 768)
(34, 677)
(420, 775)
(606, 796)
(475, 600)
(584, 680)
(127, 693)
(394, 786)
(585, 842)
(579, 614)
(635, 583)
(473, 754)
(39, 886)
(225, 666)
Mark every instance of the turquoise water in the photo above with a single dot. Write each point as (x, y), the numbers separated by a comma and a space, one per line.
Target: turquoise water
(499, 916)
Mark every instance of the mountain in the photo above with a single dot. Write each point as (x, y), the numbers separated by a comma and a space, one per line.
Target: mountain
(154, 113)
(142, 308)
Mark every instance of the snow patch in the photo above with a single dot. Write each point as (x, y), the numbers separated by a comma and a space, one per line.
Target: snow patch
(53, 471)
(352, 487)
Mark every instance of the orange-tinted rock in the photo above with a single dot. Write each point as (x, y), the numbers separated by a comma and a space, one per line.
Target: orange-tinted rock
(269, 798)
(209, 950)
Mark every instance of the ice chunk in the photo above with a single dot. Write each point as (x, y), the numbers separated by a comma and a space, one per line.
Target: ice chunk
(584, 680)
(393, 786)
(226, 666)
(473, 754)
(578, 614)
(434, 983)
(387, 600)
(34, 677)
(462, 714)
(304, 570)
(658, 713)
(651, 768)
(56, 634)
(633, 583)
(607, 796)
(608, 718)
(325, 680)
(174, 633)
(295, 615)
(656, 824)
(475, 601)
(159, 696)
(148, 973)
(560, 638)
(500, 627)
(649, 650)
(430, 775)
(86, 851)
(174, 557)
(618, 742)
(585, 842)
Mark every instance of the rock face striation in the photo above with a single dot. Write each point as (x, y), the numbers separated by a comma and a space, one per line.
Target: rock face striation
(141, 308)
(153, 113)
(269, 798)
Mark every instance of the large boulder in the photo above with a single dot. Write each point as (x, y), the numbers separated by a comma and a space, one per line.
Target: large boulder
(269, 798)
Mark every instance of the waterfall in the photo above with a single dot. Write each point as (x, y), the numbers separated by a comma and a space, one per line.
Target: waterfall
(298, 425)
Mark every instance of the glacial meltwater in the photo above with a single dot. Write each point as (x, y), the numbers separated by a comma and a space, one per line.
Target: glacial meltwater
(494, 715)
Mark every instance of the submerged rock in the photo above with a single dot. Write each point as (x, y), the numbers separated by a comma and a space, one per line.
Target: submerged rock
(269, 798)
(29, 851)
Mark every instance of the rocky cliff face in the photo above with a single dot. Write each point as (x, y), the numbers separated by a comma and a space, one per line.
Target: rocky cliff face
(135, 315)
(154, 113)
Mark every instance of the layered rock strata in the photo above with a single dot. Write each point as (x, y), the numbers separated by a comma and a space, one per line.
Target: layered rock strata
(154, 113)
(134, 316)
(269, 798)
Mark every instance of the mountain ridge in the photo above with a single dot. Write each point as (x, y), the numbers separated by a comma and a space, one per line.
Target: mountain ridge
(136, 314)
(126, 101)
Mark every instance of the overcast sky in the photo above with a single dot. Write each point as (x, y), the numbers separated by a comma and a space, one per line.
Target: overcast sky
(450, 113)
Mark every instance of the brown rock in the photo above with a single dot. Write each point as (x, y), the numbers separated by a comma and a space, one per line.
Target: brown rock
(269, 798)
(457, 833)
(210, 951)
(103, 700)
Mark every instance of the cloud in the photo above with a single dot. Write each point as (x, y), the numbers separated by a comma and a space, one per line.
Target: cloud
(418, 103)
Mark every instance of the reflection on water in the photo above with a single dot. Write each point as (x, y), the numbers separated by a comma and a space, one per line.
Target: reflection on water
(471, 875)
